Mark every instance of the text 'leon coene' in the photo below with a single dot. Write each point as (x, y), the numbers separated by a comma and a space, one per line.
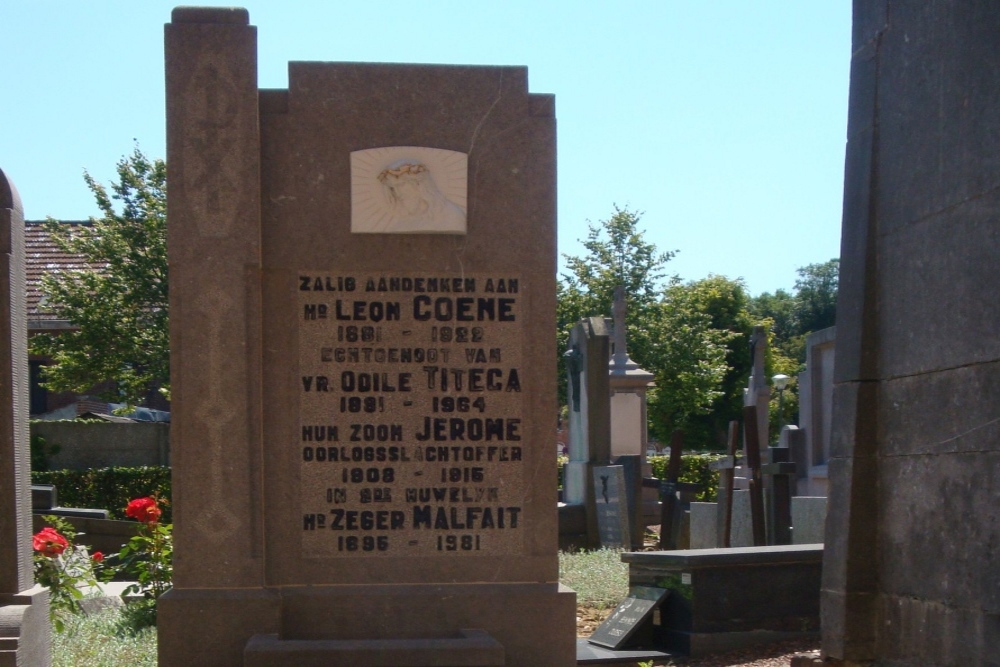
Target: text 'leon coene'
(424, 309)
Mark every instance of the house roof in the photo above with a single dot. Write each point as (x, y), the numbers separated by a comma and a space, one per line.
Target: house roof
(42, 257)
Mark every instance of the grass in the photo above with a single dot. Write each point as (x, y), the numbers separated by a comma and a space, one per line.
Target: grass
(103, 639)
(600, 578)
(106, 639)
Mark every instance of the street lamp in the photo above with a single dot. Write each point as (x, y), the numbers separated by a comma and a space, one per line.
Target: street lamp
(780, 382)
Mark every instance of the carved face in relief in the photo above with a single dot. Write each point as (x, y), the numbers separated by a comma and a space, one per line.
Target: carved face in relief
(407, 190)
(409, 186)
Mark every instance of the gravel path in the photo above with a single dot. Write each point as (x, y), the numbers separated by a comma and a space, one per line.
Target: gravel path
(769, 655)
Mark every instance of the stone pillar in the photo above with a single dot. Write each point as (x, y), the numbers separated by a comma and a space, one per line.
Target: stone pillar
(213, 212)
(24, 607)
(909, 572)
(758, 391)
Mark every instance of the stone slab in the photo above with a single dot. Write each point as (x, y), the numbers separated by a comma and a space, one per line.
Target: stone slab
(716, 594)
(694, 558)
(808, 519)
(589, 654)
(472, 648)
(704, 525)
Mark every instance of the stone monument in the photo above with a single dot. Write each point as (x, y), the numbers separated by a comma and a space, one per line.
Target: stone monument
(24, 607)
(362, 284)
(910, 567)
(628, 384)
(629, 425)
(589, 421)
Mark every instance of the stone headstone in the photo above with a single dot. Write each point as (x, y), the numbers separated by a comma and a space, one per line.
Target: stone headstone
(808, 520)
(742, 523)
(24, 607)
(704, 525)
(627, 618)
(612, 507)
(362, 292)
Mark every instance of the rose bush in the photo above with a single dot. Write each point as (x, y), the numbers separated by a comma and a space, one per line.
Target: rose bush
(63, 567)
(148, 557)
(49, 542)
(144, 510)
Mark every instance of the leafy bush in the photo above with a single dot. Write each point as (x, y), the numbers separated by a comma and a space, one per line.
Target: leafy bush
(109, 488)
(41, 451)
(695, 468)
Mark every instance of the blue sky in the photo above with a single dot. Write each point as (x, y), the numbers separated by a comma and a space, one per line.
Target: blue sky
(724, 121)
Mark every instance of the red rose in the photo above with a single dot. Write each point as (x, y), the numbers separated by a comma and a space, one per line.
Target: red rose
(97, 557)
(144, 510)
(49, 542)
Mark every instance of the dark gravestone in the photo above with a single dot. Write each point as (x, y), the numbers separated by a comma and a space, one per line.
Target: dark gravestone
(628, 617)
(670, 509)
(610, 501)
(779, 473)
(632, 472)
(44, 496)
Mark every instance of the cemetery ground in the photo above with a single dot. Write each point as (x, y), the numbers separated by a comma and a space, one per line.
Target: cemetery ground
(106, 639)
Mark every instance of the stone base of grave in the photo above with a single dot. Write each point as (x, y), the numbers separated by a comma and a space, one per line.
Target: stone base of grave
(471, 648)
(532, 624)
(24, 629)
(725, 599)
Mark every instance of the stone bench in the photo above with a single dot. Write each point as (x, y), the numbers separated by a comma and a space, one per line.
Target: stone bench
(724, 599)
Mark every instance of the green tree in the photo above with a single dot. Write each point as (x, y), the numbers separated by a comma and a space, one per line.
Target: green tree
(724, 302)
(816, 296)
(119, 308)
(688, 361)
(616, 255)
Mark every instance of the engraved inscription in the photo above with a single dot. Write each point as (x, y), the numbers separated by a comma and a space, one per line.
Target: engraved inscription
(411, 434)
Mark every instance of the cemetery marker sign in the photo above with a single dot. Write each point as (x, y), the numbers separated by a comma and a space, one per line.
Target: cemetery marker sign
(362, 285)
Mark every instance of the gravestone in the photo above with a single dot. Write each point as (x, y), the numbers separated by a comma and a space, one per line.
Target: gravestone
(626, 621)
(589, 419)
(24, 607)
(613, 525)
(808, 519)
(362, 292)
(816, 411)
(704, 525)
